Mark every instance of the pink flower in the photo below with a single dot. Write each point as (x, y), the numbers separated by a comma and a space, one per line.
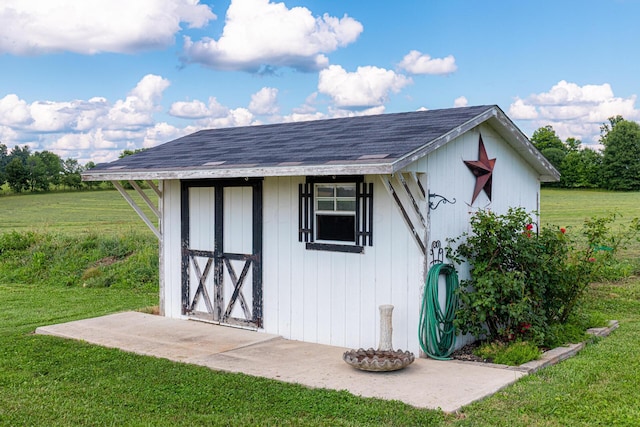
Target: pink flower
(563, 230)
(592, 259)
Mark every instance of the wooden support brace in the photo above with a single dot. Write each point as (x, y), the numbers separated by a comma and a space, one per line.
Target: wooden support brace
(394, 195)
(415, 178)
(136, 208)
(414, 203)
(154, 187)
(145, 198)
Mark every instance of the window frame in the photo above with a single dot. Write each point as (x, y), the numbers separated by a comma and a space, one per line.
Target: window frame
(363, 214)
(335, 212)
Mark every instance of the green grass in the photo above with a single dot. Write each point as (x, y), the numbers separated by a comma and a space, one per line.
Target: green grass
(51, 381)
(569, 208)
(76, 212)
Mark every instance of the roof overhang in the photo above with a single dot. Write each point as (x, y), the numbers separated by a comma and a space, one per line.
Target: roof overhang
(493, 117)
(239, 172)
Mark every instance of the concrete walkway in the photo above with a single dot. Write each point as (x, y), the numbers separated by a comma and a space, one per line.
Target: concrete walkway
(426, 383)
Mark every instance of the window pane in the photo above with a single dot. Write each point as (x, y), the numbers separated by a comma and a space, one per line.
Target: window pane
(336, 227)
(324, 190)
(348, 190)
(325, 205)
(346, 205)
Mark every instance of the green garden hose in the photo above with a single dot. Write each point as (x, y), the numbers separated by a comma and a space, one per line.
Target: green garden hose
(436, 332)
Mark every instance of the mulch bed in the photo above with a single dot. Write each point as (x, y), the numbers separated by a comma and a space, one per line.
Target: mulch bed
(466, 354)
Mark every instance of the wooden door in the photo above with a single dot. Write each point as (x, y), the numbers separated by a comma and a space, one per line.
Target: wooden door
(222, 251)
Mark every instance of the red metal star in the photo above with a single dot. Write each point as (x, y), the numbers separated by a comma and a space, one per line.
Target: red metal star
(482, 169)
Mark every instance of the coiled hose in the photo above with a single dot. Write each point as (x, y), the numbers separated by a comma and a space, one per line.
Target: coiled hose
(436, 331)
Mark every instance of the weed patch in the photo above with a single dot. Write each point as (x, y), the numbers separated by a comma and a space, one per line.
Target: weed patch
(512, 354)
(124, 261)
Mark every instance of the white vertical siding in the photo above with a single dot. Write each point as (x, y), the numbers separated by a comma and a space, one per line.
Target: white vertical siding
(171, 249)
(333, 298)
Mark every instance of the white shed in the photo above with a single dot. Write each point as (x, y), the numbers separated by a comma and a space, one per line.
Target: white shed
(303, 229)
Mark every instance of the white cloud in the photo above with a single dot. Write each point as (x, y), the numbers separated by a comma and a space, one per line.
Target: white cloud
(339, 112)
(416, 62)
(460, 101)
(30, 27)
(236, 117)
(564, 93)
(259, 35)
(367, 87)
(197, 109)
(304, 117)
(163, 132)
(521, 111)
(77, 128)
(7, 134)
(573, 110)
(265, 101)
(138, 107)
(189, 109)
(81, 141)
(14, 111)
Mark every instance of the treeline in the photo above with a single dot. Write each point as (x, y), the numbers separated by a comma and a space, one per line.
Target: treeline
(24, 170)
(616, 167)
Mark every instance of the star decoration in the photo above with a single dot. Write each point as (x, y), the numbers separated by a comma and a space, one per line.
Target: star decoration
(482, 169)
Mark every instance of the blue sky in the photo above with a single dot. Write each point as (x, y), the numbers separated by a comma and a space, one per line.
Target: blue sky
(87, 79)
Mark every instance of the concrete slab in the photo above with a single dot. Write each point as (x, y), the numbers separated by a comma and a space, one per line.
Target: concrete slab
(427, 383)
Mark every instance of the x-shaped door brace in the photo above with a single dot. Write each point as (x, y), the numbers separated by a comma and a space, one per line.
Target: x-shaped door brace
(202, 289)
(237, 289)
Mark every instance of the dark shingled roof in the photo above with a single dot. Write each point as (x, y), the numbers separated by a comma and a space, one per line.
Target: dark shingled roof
(305, 147)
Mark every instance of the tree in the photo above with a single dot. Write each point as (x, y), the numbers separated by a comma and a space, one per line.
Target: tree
(22, 153)
(545, 138)
(550, 145)
(71, 170)
(580, 168)
(572, 144)
(621, 156)
(126, 153)
(4, 160)
(555, 156)
(37, 178)
(17, 175)
(52, 166)
(606, 127)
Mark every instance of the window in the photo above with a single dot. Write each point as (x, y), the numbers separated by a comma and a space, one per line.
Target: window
(335, 213)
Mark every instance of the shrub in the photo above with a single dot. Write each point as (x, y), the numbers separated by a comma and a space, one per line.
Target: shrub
(523, 281)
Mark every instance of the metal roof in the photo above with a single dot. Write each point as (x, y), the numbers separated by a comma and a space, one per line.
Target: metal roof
(376, 144)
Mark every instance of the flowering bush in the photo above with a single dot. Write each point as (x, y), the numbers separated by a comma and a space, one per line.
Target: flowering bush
(524, 280)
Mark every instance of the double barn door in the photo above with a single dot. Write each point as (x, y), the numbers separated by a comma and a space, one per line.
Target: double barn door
(222, 251)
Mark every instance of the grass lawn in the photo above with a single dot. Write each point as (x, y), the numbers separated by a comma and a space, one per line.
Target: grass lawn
(569, 208)
(75, 212)
(51, 381)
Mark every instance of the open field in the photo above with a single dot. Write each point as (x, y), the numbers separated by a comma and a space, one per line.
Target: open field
(50, 381)
(71, 212)
(569, 208)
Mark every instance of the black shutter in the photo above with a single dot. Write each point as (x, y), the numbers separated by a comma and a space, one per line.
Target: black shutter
(305, 212)
(364, 214)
